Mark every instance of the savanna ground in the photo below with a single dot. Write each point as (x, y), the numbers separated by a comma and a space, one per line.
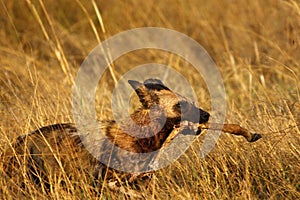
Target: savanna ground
(255, 44)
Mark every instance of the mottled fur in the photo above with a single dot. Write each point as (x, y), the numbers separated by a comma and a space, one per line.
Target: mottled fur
(57, 149)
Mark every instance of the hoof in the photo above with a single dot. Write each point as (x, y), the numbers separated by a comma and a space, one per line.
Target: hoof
(255, 137)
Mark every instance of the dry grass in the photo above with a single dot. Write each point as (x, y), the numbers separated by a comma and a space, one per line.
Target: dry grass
(256, 45)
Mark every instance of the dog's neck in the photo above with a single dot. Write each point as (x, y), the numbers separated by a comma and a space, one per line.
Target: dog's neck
(155, 127)
(147, 128)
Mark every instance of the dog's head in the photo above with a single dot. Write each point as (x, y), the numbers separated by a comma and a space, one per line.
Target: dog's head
(154, 93)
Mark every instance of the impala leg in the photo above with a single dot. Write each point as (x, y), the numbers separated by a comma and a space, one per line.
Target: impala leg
(234, 129)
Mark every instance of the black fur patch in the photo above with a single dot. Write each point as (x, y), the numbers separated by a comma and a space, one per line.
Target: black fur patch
(48, 130)
(155, 84)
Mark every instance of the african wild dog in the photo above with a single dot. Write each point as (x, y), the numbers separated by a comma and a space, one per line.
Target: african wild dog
(57, 149)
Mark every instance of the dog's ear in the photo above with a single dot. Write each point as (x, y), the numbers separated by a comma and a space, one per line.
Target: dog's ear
(135, 84)
(142, 92)
(155, 84)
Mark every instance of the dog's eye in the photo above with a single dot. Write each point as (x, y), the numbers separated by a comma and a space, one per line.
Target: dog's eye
(182, 105)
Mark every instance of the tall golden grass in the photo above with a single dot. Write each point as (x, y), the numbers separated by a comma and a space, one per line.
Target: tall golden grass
(255, 44)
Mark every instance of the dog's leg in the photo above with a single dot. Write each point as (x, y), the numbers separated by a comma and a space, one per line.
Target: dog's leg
(114, 186)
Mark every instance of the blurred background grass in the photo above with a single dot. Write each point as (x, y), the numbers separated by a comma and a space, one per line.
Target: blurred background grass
(255, 44)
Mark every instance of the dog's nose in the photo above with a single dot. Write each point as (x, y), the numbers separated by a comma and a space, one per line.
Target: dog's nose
(204, 116)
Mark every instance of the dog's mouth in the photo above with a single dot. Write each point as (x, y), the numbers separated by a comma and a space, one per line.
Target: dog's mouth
(198, 116)
(188, 128)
